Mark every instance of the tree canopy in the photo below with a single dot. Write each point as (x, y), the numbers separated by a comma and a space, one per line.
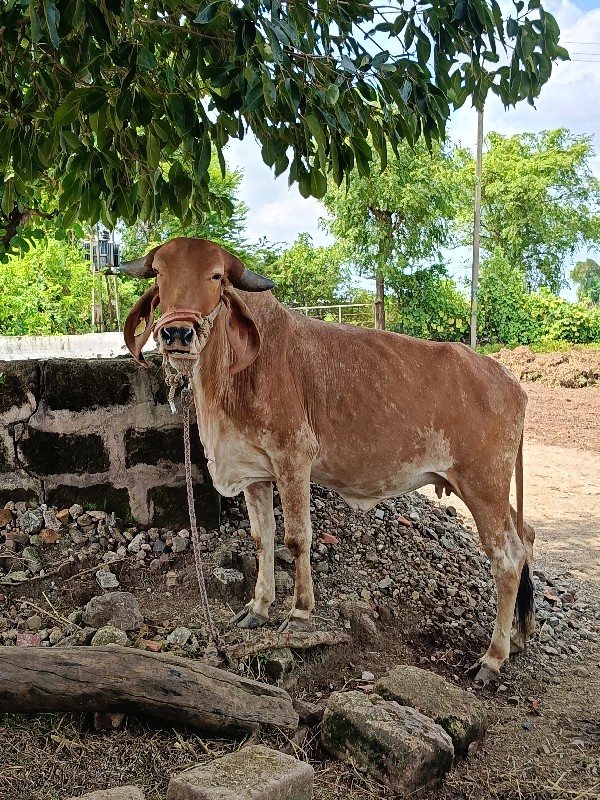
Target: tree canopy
(539, 203)
(101, 100)
(587, 275)
(306, 275)
(399, 219)
(225, 227)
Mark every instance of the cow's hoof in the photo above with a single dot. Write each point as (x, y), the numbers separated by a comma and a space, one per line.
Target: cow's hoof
(246, 619)
(481, 673)
(295, 625)
(516, 646)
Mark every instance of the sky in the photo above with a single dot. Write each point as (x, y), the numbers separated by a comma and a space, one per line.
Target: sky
(570, 99)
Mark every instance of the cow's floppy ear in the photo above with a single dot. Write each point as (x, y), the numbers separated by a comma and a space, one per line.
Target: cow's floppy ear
(242, 333)
(142, 310)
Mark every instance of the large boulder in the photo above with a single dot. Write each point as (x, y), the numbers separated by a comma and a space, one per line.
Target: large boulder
(459, 713)
(397, 745)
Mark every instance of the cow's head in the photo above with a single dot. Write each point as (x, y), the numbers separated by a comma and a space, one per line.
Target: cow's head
(194, 280)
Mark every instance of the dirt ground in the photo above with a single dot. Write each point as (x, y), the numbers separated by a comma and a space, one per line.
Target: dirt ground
(557, 755)
(543, 740)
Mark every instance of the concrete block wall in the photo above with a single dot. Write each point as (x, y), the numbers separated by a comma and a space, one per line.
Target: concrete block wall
(98, 432)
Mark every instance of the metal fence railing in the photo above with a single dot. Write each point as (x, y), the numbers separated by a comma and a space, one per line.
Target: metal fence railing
(362, 314)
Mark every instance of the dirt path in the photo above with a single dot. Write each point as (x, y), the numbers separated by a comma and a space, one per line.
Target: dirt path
(555, 754)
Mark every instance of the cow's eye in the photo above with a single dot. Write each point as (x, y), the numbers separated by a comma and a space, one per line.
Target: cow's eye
(216, 277)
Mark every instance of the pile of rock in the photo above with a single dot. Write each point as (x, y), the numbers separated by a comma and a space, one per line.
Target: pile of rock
(34, 540)
(408, 556)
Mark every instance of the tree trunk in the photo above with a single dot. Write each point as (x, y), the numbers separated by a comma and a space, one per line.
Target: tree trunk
(379, 301)
(121, 679)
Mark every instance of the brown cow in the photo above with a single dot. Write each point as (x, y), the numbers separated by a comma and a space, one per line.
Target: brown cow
(281, 397)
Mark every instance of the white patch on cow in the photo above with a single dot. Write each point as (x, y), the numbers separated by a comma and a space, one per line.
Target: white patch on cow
(233, 461)
(507, 558)
(400, 478)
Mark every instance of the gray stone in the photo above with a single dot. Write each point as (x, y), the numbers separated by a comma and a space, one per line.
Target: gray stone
(179, 636)
(228, 582)
(32, 559)
(136, 543)
(51, 521)
(459, 713)
(120, 609)
(106, 579)
(109, 635)
(180, 544)
(120, 793)
(252, 773)
(18, 576)
(397, 745)
(75, 510)
(277, 663)
(34, 623)
(31, 521)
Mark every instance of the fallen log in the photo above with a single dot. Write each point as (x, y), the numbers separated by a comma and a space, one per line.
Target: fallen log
(121, 679)
(295, 640)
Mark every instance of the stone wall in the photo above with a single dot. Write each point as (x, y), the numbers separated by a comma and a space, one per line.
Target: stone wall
(99, 433)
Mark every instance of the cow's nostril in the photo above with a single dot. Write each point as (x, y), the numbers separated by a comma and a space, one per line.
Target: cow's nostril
(168, 334)
(186, 336)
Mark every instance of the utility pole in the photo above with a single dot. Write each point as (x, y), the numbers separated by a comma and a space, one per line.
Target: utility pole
(476, 226)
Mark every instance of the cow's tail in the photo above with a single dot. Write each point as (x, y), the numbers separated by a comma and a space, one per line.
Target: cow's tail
(525, 602)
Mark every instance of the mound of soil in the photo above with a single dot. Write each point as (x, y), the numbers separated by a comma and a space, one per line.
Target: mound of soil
(572, 369)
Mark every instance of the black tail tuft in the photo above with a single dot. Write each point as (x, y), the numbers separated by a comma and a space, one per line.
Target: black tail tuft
(525, 604)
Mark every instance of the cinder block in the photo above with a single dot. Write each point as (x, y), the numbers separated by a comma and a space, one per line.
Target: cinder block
(252, 773)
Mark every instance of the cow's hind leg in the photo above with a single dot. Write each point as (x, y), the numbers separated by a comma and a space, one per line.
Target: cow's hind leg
(259, 501)
(508, 561)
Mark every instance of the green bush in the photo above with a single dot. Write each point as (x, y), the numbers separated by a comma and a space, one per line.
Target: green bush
(558, 319)
(48, 290)
(428, 305)
(508, 314)
(503, 315)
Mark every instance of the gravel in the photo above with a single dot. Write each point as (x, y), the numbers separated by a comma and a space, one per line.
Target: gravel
(408, 556)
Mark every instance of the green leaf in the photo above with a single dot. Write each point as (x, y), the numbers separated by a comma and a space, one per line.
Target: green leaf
(52, 20)
(208, 13)
(68, 111)
(254, 98)
(204, 158)
(512, 28)
(97, 23)
(333, 94)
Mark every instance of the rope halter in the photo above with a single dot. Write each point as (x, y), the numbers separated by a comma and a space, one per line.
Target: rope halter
(180, 375)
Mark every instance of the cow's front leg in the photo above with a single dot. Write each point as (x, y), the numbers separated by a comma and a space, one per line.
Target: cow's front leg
(294, 490)
(259, 501)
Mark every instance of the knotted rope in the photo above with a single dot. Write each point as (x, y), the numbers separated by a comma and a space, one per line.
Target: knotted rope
(181, 377)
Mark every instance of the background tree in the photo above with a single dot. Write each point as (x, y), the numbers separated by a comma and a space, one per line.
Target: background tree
(540, 203)
(587, 275)
(48, 291)
(305, 275)
(396, 220)
(101, 99)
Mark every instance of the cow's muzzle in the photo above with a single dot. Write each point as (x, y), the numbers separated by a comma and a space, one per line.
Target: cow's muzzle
(177, 339)
(183, 332)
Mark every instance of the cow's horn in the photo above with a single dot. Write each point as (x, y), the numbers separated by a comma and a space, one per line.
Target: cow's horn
(140, 268)
(253, 282)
